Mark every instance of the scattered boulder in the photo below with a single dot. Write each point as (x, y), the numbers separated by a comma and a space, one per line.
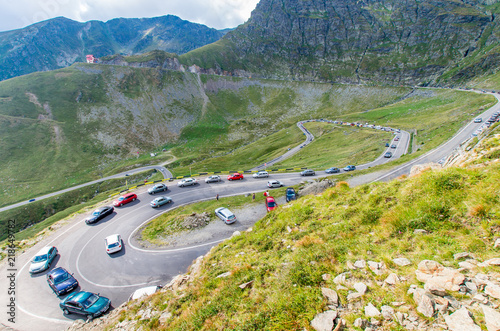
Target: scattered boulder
(392, 279)
(196, 220)
(497, 243)
(360, 288)
(376, 267)
(324, 321)
(461, 321)
(491, 318)
(387, 312)
(460, 256)
(371, 311)
(342, 278)
(492, 290)
(448, 278)
(425, 306)
(360, 264)
(331, 296)
(360, 323)
(402, 261)
(224, 275)
(490, 262)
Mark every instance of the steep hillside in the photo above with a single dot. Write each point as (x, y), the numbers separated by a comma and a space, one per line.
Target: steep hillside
(417, 253)
(72, 125)
(60, 42)
(385, 41)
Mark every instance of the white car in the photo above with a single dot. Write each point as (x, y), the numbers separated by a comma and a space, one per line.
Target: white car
(113, 243)
(226, 215)
(212, 179)
(186, 182)
(42, 260)
(275, 183)
(261, 174)
(144, 292)
(478, 120)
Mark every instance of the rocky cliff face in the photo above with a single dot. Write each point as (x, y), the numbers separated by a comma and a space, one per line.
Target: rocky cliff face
(391, 41)
(60, 42)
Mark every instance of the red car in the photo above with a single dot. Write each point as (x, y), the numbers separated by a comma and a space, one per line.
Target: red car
(124, 199)
(235, 176)
(271, 203)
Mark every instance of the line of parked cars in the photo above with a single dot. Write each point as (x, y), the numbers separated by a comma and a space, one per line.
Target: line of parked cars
(62, 282)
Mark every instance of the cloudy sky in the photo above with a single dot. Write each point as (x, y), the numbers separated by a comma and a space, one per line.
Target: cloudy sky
(217, 14)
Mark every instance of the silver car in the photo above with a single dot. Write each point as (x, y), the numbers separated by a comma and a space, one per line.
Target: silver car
(274, 183)
(212, 179)
(157, 188)
(261, 174)
(226, 215)
(186, 182)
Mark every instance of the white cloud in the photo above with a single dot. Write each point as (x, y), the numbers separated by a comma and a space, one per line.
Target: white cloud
(218, 14)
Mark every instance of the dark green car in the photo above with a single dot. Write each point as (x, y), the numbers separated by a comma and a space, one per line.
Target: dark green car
(85, 303)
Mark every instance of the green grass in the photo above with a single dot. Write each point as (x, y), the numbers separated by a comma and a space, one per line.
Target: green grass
(171, 222)
(337, 145)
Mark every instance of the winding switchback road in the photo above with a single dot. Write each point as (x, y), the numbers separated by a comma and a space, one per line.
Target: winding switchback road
(81, 246)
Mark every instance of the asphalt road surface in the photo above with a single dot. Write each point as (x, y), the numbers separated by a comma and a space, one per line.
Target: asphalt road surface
(81, 246)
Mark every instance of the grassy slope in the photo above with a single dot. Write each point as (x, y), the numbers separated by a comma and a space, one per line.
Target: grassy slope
(459, 207)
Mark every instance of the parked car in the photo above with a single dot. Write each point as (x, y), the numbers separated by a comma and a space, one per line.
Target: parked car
(478, 120)
(290, 194)
(350, 168)
(226, 215)
(387, 145)
(308, 172)
(160, 201)
(99, 214)
(157, 188)
(332, 170)
(124, 199)
(388, 155)
(235, 176)
(144, 291)
(61, 281)
(274, 183)
(261, 174)
(212, 179)
(393, 146)
(113, 243)
(271, 203)
(396, 138)
(186, 182)
(85, 303)
(42, 260)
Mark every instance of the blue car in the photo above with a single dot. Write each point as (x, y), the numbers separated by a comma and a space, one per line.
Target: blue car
(290, 194)
(61, 281)
(85, 303)
(350, 168)
(332, 170)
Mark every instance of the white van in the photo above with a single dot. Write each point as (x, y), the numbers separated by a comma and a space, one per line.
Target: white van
(261, 174)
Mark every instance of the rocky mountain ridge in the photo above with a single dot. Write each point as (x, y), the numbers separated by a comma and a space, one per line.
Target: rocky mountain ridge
(60, 42)
(385, 41)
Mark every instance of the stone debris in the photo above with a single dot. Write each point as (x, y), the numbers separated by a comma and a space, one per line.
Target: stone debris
(378, 268)
(360, 288)
(331, 296)
(371, 311)
(392, 279)
(461, 321)
(324, 321)
(360, 264)
(491, 318)
(402, 262)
